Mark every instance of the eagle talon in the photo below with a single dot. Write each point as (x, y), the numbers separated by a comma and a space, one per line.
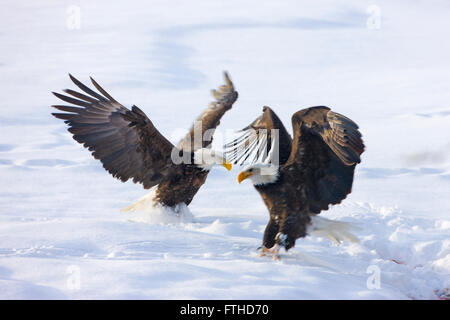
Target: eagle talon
(274, 252)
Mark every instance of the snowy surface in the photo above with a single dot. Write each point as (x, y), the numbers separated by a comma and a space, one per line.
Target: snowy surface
(62, 235)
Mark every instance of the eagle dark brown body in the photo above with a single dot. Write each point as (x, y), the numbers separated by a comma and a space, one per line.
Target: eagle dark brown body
(313, 170)
(182, 186)
(287, 213)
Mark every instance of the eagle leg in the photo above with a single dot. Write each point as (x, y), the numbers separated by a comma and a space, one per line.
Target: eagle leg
(274, 252)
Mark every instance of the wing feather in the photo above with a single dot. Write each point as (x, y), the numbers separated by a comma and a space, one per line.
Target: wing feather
(125, 141)
(210, 118)
(326, 148)
(255, 142)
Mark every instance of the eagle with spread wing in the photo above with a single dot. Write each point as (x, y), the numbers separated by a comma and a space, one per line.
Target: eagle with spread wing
(131, 147)
(298, 178)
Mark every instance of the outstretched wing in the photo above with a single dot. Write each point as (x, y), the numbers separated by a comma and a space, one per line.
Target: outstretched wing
(326, 148)
(202, 131)
(265, 140)
(125, 141)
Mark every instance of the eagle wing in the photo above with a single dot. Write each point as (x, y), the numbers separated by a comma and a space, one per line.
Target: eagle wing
(125, 141)
(201, 133)
(265, 139)
(326, 148)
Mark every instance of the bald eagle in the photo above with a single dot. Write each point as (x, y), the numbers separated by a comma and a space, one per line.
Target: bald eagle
(130, 147)
(297, 178)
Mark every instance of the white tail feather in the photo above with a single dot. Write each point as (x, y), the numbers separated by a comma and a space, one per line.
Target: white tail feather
(143, 203)
(336, 231)
(146, 210)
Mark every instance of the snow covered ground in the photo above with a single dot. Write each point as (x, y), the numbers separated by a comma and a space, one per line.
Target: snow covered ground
(62, 234)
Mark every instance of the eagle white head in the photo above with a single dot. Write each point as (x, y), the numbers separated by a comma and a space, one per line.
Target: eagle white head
(206, 158)
(260, 173)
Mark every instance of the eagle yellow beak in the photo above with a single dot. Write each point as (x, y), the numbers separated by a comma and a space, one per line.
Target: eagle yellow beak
(243, 175)
(227, 165)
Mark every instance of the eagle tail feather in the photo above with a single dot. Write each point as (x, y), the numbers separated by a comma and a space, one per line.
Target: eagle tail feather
(141, 204)
(335, 231)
